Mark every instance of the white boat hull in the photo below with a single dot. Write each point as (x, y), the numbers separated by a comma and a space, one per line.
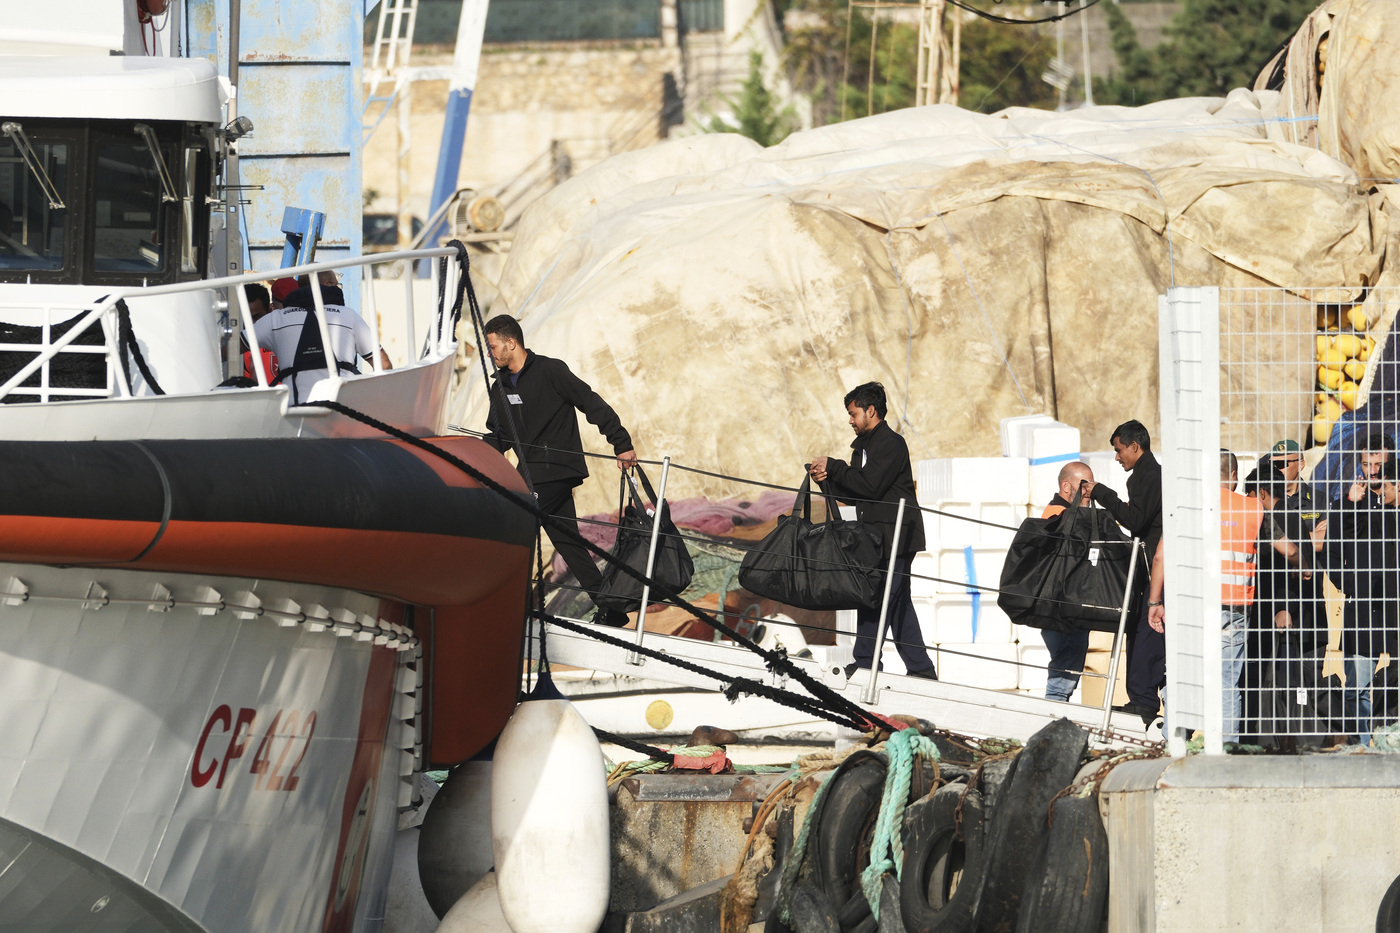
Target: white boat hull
(242, 768)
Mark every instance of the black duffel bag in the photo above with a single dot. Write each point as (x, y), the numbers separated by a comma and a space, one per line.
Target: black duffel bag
(1069, 572)
(833, 564)
(671, 570)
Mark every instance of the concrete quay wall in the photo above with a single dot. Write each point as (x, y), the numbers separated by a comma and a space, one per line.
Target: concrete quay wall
(1308, 843)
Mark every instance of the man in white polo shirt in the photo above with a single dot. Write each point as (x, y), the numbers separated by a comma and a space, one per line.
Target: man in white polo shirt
(292, 333)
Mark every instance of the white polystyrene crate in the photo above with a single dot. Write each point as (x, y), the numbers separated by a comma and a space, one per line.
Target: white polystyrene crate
(977, 665)
(1015, 438)
(949, 618)
(954, 573)
(1035, 659)
(925, 565)
(1051, 447)
(1107, 471)
(974, 479)
(956, 523)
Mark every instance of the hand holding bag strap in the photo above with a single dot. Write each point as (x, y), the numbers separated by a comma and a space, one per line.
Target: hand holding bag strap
(833, 510)
(637, 502)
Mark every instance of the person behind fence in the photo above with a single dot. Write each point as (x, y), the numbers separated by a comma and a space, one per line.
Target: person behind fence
(1240, 517)
(878, 476)
(534, 400)
(293, 334)
(1067, 649)
(1291, 631)
(1365, 562)
(1285, 459)
(1142, 516)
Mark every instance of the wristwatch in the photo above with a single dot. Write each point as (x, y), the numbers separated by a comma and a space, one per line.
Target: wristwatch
(1150, 604)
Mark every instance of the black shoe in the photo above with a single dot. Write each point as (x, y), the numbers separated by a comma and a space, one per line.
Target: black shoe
(929, 673)
(613, 618)
(856, 666)
(1133, 709)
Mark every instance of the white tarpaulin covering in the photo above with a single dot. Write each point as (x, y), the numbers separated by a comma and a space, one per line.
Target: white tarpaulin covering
(724, 297)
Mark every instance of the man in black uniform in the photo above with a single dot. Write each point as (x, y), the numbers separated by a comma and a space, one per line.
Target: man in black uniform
(878, 476)
(1142, 516)
(533, 401)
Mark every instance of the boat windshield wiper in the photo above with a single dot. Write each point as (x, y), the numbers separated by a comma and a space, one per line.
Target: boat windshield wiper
(153, 147)
(36, 168)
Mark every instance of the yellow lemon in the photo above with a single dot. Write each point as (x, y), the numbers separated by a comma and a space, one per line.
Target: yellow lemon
(1354, 370)
(1330, 409)
(1326, 317)
(1357, 317)
(1331, 378)
(1321, 429)
(1335, 357)
(1347, 395)
(1323, 342)
(1367, 347)
(1348, 345)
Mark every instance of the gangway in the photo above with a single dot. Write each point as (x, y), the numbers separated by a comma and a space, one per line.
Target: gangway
(971, 710)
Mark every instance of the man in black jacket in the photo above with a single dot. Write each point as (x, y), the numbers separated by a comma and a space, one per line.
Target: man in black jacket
(878, 476)
(1142, 516)
(533, 400)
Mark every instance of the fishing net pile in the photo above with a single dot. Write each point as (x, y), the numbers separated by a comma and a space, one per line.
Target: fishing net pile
(724, 297)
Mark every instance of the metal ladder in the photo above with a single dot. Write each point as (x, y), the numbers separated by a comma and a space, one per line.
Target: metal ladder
(393, 43)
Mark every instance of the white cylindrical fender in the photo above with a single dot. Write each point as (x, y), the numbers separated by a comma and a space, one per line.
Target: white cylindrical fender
(478, 911)
(549, 821)
(454, 851)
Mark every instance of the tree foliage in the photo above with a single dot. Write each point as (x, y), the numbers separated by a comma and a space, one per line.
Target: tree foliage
(755, 114)
(1001, 64)
(1212, 47)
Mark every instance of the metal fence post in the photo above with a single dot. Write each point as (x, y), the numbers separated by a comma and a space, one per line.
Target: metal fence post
(1118, 637)
(634, 657)
(870, 686)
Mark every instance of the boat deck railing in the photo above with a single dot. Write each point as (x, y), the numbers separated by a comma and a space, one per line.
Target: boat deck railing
(78, 318)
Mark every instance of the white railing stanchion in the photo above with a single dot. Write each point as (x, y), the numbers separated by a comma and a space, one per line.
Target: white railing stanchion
(1118, 636)
(332, 367)
(868, 696)
(634, 657)
(111, 327)
(245, 326)
(28, 369)
(411, 354)
(367, 288)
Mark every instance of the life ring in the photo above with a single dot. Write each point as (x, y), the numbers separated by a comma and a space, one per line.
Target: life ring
(841, 843)
(1018, 825)
(944, 861)
(1067, 886)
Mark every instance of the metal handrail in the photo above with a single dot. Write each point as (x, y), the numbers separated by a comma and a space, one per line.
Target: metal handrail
(438, 341)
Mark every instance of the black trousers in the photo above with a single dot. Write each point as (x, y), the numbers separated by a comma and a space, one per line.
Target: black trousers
(557, 499)
(1147, 661)
(902, 623)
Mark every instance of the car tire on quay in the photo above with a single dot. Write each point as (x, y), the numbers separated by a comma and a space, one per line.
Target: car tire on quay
(841, 847)
(1067, 885)
(943, 875)
(1388, 916)
(1046, 765)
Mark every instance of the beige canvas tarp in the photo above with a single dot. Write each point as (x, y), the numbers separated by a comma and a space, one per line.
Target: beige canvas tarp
(724, 297)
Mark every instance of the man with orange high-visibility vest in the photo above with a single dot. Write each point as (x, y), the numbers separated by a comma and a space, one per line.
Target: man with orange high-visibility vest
(1240, 517)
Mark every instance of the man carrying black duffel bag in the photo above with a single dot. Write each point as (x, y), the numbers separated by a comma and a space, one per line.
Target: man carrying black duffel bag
(878, 476)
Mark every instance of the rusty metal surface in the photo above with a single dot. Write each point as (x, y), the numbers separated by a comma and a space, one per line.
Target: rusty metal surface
(710, 788)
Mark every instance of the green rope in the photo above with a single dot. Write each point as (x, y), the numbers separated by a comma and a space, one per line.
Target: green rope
(887, 848)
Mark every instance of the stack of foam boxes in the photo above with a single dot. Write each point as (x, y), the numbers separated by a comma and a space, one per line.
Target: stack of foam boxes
(975, 642)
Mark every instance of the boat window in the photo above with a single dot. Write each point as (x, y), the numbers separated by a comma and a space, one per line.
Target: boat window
(127, 229)
(31, 231)
(194, 231)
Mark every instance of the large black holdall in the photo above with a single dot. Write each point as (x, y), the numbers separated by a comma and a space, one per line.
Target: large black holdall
(672, 568)
(1069, 572)
(835, 564)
